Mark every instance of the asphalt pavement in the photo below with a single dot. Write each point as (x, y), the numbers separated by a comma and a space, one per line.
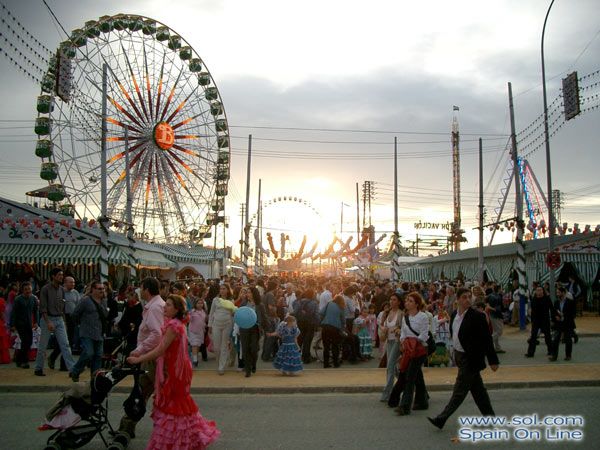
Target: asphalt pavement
(341, 421)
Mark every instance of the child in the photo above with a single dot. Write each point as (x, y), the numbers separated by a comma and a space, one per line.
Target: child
(361, 329)
(372, 323)
(196, 329)
(442, 327)
(288, 360)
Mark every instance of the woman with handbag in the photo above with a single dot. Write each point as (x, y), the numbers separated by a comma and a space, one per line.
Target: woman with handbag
(392, 325)
(332, 330)
(413, 339)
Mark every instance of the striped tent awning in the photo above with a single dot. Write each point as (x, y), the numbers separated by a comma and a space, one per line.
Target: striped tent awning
(58, 254)
(153, 260)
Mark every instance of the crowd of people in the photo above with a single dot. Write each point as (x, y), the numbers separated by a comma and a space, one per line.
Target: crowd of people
(168, 326)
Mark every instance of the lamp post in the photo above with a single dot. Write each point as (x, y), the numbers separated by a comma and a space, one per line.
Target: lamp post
(551, 223)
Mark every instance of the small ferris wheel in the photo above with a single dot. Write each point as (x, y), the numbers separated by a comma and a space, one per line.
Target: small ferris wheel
(166, 128)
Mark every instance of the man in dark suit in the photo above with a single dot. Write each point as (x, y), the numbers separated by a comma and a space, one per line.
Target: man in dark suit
(472, 344)
(564, 323)
(542, 310)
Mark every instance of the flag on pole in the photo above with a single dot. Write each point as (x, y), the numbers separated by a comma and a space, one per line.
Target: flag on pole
(455, 108)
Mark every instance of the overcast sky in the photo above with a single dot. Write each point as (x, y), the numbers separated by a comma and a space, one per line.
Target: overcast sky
(394, 66)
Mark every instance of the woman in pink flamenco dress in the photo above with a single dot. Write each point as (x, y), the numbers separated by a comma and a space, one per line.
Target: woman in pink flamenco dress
(178, 424)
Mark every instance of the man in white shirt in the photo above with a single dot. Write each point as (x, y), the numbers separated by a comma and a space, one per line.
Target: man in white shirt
(290, 297)
(149, 337)
(473, 343)
(325, 297)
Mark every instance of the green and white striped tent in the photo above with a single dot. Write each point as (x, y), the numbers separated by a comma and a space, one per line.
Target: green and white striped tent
(581, 250)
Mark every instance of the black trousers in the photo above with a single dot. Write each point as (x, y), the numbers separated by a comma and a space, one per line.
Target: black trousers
(26, 336)
(536, 327)
(467, 380)
(331, 344)
(249, 340)
(414, 384)
(307, 333)
(558, 336)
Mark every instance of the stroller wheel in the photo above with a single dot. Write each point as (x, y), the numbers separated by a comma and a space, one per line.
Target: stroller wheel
(52, 446)
(116, 446)
(121, 438)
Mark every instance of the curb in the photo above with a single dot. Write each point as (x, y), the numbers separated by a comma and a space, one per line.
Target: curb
(364, 389)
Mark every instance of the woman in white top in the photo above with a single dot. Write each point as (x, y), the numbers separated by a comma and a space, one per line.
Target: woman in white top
(413, 339)
(220, 325)
(391, 332)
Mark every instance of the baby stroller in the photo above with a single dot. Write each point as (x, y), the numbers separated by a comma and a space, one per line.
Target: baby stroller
(82, 411)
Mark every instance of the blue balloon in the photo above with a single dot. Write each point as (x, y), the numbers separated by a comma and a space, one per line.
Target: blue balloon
(245, 317)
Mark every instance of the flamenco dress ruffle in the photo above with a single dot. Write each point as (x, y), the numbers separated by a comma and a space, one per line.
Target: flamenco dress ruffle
(178, 425)
(189, 432)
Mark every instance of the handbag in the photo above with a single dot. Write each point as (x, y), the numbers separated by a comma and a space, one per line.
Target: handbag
(430, 340)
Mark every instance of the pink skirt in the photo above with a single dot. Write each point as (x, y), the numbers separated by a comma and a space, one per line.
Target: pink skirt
(190, 432)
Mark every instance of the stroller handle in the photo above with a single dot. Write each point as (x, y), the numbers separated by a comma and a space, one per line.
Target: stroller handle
(118, 373)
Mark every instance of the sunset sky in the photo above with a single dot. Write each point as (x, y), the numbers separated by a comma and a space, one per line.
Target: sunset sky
(325, 86)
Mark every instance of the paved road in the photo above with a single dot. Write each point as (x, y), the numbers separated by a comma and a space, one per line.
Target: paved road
(324, 421)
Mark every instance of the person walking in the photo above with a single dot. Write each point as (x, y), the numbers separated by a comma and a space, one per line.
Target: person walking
(472, 345)
(542, 310)
(493, 307)
(71, 297)
(220, 325)
(250, 337)
(307, 315)
(197, 330)
(391, 331)
(4, 331)
(91, 313)
(24, 320)
(149, 338)
(332, 326)
(564, 324)
(413, 339)
(177, 422)
(52, 322)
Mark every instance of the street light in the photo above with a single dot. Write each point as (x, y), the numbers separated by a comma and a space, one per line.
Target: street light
(548, 164)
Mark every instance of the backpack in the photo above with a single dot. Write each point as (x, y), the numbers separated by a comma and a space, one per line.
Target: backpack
(302, 311)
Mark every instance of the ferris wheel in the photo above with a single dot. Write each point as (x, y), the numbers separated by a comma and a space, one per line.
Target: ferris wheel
(167, 130)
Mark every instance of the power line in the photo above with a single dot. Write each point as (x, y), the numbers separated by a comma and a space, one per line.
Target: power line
(342, 130)
(353, 142)
(55, 18)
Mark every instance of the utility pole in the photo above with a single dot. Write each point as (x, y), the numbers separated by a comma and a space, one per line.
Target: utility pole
(246, 224)
(480, 250)
(368, 195)
(258, 251)
(396, 252)
(103, 219)
(552, 222)
(456, 232)
(243, 217)
(521, 274)
(342, 221)
(357, 215)
(558, 200)
(128, 203)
